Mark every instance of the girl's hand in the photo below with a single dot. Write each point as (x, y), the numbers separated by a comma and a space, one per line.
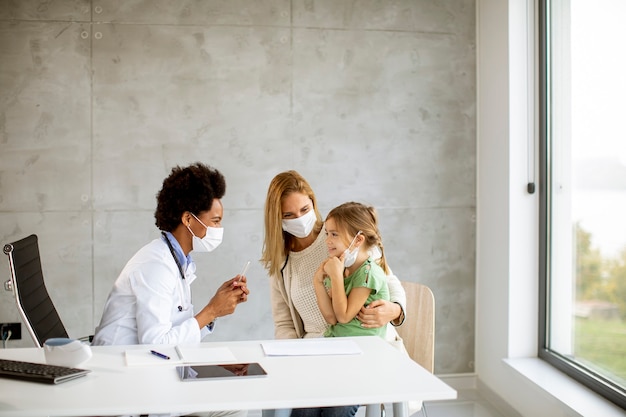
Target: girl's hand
(334, 267)
(318, 278)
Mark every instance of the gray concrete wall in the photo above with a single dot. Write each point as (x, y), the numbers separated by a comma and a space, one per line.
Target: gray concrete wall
(371, 100)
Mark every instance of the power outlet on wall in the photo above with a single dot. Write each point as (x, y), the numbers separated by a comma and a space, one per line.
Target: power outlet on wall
(14, 328)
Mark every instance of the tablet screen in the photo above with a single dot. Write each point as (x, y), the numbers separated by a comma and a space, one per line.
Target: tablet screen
(204, 372)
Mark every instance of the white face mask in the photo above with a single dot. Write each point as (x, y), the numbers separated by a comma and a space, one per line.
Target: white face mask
(349, 258)
(301, 226)
(211, 239)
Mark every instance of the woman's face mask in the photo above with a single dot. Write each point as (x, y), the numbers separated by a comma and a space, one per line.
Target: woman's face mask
(211, 239)
(301, 226)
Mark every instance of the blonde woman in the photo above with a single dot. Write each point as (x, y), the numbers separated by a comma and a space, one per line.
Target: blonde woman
(293, 249)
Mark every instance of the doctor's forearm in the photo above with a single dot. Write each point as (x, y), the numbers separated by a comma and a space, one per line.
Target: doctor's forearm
(205, 316)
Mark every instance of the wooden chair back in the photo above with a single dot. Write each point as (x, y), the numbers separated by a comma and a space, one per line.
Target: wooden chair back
(418, 329)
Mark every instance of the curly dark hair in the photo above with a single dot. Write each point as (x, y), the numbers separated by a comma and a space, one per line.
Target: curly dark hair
(192, 188)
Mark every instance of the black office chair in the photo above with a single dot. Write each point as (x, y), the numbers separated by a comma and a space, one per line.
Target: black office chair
(33, 301)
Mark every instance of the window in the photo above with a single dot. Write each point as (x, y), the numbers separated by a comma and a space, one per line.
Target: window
(583, 203)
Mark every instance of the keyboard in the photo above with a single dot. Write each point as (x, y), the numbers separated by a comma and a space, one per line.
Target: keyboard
(38, 372)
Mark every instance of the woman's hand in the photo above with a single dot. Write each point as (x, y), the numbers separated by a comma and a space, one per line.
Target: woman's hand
(378, 313)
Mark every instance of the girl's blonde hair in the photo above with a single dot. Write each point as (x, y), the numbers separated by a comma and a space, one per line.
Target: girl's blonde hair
(353, 217)
(277, 243)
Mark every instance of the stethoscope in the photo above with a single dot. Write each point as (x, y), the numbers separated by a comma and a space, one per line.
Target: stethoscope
(183, 292)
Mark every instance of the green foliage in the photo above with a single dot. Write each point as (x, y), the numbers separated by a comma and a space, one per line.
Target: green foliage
(601, 345)
(589, 265)
(599, 278)
(617, 282)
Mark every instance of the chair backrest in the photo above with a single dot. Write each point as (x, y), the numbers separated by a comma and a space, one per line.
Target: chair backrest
(418, 329)
(33, 301)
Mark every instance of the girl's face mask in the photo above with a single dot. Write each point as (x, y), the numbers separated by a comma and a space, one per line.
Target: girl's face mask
(349, 257)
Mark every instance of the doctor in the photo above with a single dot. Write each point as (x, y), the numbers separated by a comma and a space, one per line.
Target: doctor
(150, 302)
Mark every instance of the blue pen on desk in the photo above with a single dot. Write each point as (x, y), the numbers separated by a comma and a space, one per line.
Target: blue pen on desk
(160, 355)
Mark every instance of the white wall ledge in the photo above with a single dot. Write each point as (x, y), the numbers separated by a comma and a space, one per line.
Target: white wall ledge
(574, 398)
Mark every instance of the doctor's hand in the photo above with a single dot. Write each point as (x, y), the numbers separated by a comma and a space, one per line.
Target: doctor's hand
(225, 300)
(241, 282)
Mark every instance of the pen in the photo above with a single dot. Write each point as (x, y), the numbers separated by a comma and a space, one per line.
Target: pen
(160, 355)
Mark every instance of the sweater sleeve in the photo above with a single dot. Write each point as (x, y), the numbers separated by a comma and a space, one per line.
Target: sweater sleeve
(284, 327)
(397, 295)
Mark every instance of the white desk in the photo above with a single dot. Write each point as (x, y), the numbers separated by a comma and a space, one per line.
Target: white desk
(382, 374)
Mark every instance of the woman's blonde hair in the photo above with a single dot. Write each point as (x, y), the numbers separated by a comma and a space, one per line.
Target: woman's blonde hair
(277, 243)
(352, 217)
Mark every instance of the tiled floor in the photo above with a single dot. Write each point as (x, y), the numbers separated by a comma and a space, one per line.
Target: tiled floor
(469, 403)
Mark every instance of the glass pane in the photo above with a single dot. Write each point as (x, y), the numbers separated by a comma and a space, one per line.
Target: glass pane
(587, 294)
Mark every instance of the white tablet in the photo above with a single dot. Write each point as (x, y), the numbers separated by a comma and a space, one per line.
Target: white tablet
(227, 371)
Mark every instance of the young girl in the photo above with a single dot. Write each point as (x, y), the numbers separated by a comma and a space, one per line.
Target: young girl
(355, 273)
(352, 277)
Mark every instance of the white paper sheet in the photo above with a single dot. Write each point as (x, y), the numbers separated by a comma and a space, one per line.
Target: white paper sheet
(311, 347)
(141, 356)
(208, 355)
(182, 354)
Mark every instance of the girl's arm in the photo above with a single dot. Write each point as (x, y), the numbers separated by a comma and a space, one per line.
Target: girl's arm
(344, 307)
(347, 308)
(381, 312)
(323, 297)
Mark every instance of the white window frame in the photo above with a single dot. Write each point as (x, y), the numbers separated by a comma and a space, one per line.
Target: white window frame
(555, 320)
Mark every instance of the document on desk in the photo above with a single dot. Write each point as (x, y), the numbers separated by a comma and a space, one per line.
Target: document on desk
(176, 355)
(144, 356)
(311, 347)
(205, 354)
